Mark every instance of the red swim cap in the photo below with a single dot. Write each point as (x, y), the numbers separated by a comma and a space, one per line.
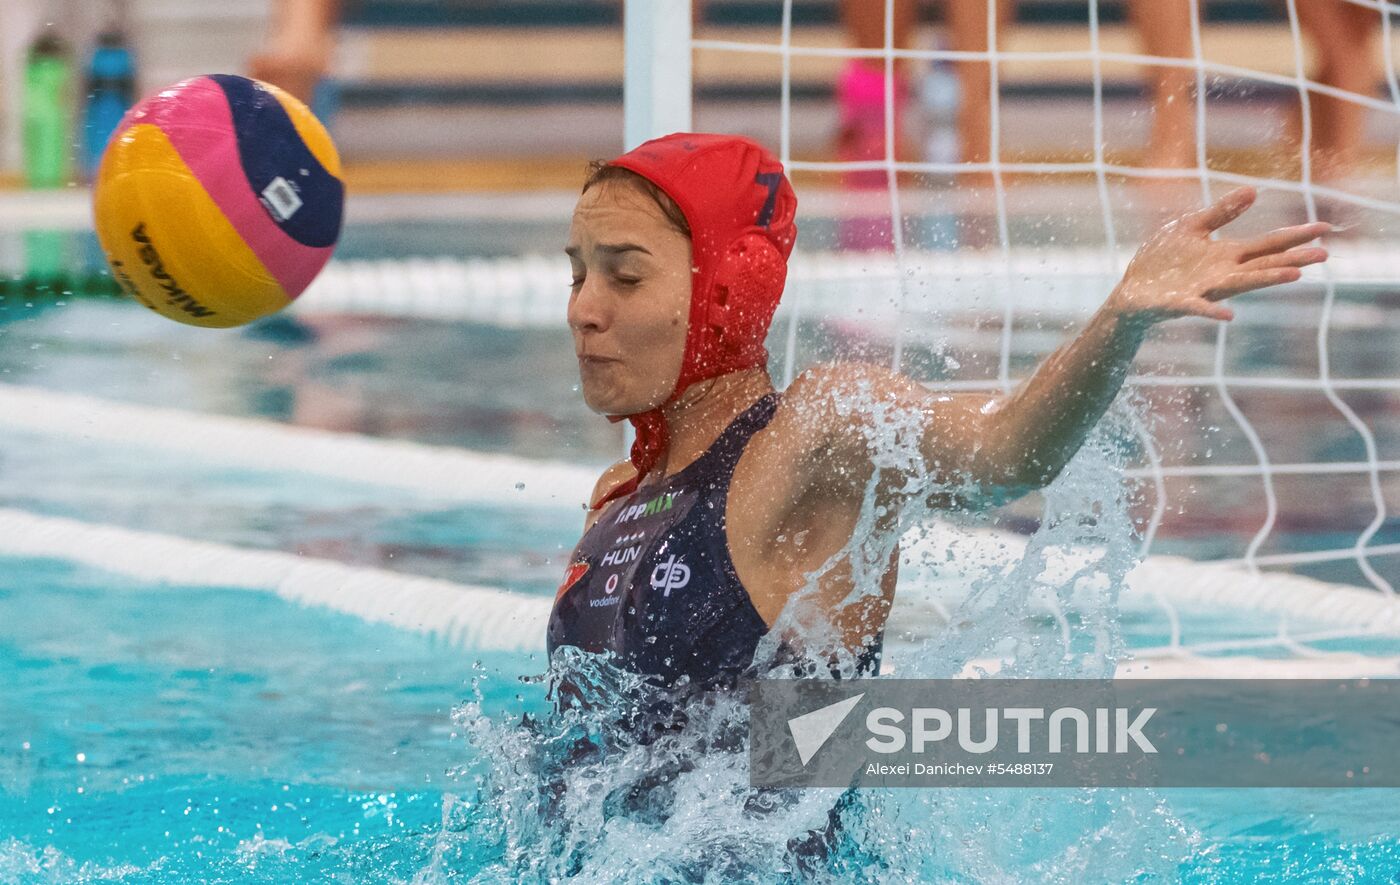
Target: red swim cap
(740, 208)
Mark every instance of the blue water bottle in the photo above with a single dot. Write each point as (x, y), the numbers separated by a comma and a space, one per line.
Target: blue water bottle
(111, 90)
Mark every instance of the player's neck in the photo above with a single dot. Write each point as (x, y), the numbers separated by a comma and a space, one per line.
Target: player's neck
(696, 419)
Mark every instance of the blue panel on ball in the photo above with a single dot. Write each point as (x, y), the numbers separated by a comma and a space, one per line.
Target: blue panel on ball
(298, 192)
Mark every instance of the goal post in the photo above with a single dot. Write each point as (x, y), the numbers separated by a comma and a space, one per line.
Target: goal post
(656, 70)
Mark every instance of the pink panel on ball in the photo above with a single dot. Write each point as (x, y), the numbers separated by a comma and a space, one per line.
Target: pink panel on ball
(195, 116)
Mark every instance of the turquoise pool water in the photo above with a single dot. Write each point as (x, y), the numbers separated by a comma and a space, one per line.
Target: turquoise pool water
(183, 735)
(176, 734)
(180, 734)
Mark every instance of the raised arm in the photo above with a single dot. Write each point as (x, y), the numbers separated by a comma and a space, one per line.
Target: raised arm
(986, 449)
(1180, 271)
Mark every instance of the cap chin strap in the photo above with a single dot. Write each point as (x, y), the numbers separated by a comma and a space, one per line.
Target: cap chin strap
(648, 446)
(653, 436)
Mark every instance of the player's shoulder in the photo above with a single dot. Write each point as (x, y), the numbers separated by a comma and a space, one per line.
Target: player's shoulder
(821, 434)
(617, 474)
(845, 374)
(830, 395)
(614, 476)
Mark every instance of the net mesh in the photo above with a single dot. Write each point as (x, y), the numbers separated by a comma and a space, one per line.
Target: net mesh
(1275, 452)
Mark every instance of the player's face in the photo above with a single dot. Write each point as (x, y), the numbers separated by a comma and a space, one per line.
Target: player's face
(630, 302)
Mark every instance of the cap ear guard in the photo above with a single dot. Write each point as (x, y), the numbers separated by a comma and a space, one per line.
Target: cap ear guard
(747, 284)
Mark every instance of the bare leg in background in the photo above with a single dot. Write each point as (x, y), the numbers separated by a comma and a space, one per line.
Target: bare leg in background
(864, 21)
(300, 43)
(969, 32)
(1164, 29)
(1344, 37)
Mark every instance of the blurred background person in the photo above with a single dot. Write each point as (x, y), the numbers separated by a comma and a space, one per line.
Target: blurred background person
(1164, 28)
(861, 83)
(300, 46)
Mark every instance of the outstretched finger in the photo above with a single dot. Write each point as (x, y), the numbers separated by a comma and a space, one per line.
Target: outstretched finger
(1210, 310)
(1299, 257)
(1226, 209)
(1248, 281)
(1283, 238)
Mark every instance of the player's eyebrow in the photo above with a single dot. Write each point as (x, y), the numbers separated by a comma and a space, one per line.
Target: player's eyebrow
(610, 248)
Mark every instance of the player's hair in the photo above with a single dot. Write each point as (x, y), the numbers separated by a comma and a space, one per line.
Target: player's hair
(599, 172)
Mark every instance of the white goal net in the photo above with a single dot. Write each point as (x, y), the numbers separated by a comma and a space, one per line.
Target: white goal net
(1273, 446)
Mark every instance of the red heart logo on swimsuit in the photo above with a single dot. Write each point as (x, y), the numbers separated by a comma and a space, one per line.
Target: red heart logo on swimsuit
(571, 577)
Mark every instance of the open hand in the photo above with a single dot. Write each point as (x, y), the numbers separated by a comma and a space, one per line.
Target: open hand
(1181, 271)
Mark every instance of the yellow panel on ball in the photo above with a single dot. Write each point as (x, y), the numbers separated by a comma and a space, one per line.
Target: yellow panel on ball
(169, 244)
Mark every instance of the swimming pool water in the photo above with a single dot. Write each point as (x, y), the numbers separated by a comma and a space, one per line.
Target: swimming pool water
(179, 734)
(176, 734)
(365, 524)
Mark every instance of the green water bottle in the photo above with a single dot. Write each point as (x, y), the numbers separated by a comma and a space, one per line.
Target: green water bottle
(48, 113)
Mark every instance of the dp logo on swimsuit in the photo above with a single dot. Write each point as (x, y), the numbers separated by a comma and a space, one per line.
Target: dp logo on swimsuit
(670, 575)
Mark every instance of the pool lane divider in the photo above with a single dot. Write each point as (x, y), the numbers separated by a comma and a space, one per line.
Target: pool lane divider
(435, 472)
(466, 616)
(477, 618)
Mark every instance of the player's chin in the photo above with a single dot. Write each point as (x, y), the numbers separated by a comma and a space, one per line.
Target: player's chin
(613, 396)
(602, 395)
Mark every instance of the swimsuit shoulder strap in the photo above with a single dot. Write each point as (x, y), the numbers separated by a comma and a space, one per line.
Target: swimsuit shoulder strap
(723, 453)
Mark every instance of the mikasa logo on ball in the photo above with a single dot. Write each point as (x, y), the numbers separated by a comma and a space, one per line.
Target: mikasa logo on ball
(176, 295)
(281, 198)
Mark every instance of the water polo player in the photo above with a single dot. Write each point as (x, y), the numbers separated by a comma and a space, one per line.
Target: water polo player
(738, 501)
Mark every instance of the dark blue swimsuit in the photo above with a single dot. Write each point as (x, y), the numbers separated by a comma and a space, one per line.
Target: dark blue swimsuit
(653, 584)
(652, 581)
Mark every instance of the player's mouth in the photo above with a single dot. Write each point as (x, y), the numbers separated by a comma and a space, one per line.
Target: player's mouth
(591, 360)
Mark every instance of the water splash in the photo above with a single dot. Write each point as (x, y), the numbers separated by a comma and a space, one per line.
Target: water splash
(631, 783)
(22, 862)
